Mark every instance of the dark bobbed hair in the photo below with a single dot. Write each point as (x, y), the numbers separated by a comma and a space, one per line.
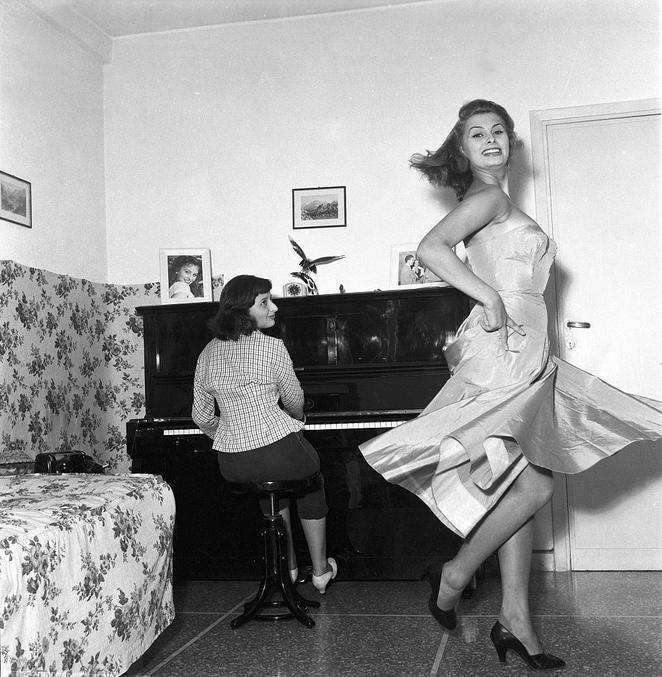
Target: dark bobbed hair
(237, 296)
(183, 261)
(447, 166)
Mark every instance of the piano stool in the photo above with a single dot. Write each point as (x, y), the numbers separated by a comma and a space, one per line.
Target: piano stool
(276, 575)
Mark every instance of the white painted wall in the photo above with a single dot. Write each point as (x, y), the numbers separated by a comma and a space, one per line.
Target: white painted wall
(51, 134)
(208, 131)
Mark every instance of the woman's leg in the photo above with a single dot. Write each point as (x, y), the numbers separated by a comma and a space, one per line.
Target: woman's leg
(312, 510)
(291, 457)
(529, 492)
(515, 566)
(291, 552)
(315, 532)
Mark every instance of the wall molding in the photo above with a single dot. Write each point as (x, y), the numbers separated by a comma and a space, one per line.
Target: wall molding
(76, 27)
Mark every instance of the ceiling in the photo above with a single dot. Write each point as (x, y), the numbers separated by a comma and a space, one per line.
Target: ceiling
(118, 18)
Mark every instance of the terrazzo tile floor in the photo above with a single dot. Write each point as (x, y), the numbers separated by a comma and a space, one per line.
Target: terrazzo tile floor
(604, 624)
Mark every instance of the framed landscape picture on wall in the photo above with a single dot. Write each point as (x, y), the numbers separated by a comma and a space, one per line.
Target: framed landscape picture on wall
(185, 275)
(15, 200)
(319, 207)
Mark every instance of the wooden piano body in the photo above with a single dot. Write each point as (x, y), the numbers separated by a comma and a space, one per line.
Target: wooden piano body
(366, 361)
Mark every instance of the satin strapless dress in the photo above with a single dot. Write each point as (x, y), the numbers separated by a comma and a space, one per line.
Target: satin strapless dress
(508, 403)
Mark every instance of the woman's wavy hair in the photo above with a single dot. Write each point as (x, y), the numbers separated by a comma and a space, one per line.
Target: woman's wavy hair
(238, 295)
(181, 261)
(447, 166)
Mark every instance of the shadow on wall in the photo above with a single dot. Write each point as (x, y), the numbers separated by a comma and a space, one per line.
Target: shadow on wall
(71, 364)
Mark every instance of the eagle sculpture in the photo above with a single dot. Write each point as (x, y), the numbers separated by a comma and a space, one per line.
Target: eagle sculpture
(309, 267)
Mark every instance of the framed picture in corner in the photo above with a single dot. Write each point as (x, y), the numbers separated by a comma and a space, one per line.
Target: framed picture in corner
(15, 200)
(185, 275)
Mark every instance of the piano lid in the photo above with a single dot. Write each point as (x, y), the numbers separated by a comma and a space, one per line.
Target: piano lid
(352, 330)
(353, 352)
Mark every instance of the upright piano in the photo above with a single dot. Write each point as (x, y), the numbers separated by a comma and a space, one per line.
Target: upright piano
(366, 362)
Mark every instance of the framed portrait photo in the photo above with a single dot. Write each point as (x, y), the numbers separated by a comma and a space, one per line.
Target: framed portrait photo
(185, 275)
(407, 271)
(319, 207)
(15, 200)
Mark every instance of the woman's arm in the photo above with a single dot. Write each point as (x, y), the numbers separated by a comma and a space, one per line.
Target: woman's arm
(203, 413)
(289, 388)
(180, 290)
(489, 205)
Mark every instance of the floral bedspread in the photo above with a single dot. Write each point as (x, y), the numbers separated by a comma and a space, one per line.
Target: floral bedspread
(85, 572)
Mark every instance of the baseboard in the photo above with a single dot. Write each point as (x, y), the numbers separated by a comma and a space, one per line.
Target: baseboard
(542, 561)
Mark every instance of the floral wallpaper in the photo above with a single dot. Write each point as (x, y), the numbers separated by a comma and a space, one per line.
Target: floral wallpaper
(71, 364)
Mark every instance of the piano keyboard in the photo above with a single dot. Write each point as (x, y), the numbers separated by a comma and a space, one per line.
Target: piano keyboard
(350, 425)
(181, 431)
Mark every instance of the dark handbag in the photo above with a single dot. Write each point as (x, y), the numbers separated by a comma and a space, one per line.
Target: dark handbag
(59, 462)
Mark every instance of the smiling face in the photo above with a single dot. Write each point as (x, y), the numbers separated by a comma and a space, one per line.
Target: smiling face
(188, 273)
(263, 311)
(485, 141)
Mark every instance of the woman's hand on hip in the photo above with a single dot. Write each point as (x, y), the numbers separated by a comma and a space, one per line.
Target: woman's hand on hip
(495, 317)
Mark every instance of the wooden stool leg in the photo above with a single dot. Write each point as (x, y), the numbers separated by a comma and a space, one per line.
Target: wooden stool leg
(264, 591)
(288, 587)
(284, 582)
(276, 577)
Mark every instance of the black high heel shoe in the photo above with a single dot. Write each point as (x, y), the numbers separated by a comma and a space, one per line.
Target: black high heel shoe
(447, 619)
(504, 640)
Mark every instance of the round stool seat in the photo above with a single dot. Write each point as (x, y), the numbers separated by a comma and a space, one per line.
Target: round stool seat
(266, 487)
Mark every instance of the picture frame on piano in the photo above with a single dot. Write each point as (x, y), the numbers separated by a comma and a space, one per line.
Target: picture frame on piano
(185, 275)
(407, 272)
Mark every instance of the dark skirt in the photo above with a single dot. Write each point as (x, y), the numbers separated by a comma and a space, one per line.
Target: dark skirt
(290, 458)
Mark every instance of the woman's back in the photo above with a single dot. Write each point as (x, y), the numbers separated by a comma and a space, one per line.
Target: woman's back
(247, 378)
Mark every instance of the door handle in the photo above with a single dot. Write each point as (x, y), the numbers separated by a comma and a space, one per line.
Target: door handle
(578, 325)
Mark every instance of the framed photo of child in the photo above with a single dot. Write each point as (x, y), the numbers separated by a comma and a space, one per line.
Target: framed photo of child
(185, 275)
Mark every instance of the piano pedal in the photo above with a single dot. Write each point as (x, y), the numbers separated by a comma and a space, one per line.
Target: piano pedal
(345, 554)
(305, 573)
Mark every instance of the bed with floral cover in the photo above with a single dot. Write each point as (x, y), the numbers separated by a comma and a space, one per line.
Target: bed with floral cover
(85, 572)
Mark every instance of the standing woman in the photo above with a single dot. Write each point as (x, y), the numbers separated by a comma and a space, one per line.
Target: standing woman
(248, 374)
(481, 453)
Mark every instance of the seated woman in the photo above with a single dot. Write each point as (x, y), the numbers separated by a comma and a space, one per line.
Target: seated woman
(248, 373)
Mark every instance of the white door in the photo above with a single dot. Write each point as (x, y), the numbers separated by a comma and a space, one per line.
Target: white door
(597, 196)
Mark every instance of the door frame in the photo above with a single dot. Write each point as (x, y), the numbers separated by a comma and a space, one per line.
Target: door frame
(540, 122)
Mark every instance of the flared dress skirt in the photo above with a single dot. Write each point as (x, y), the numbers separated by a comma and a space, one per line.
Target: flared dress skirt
(507, 403)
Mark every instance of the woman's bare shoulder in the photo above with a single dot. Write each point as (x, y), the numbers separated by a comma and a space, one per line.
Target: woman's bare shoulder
(486, 192)
(488, 202)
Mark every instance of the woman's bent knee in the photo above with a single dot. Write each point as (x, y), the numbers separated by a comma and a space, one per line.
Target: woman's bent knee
(544, 485)
(537, 485)
(312, 506)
